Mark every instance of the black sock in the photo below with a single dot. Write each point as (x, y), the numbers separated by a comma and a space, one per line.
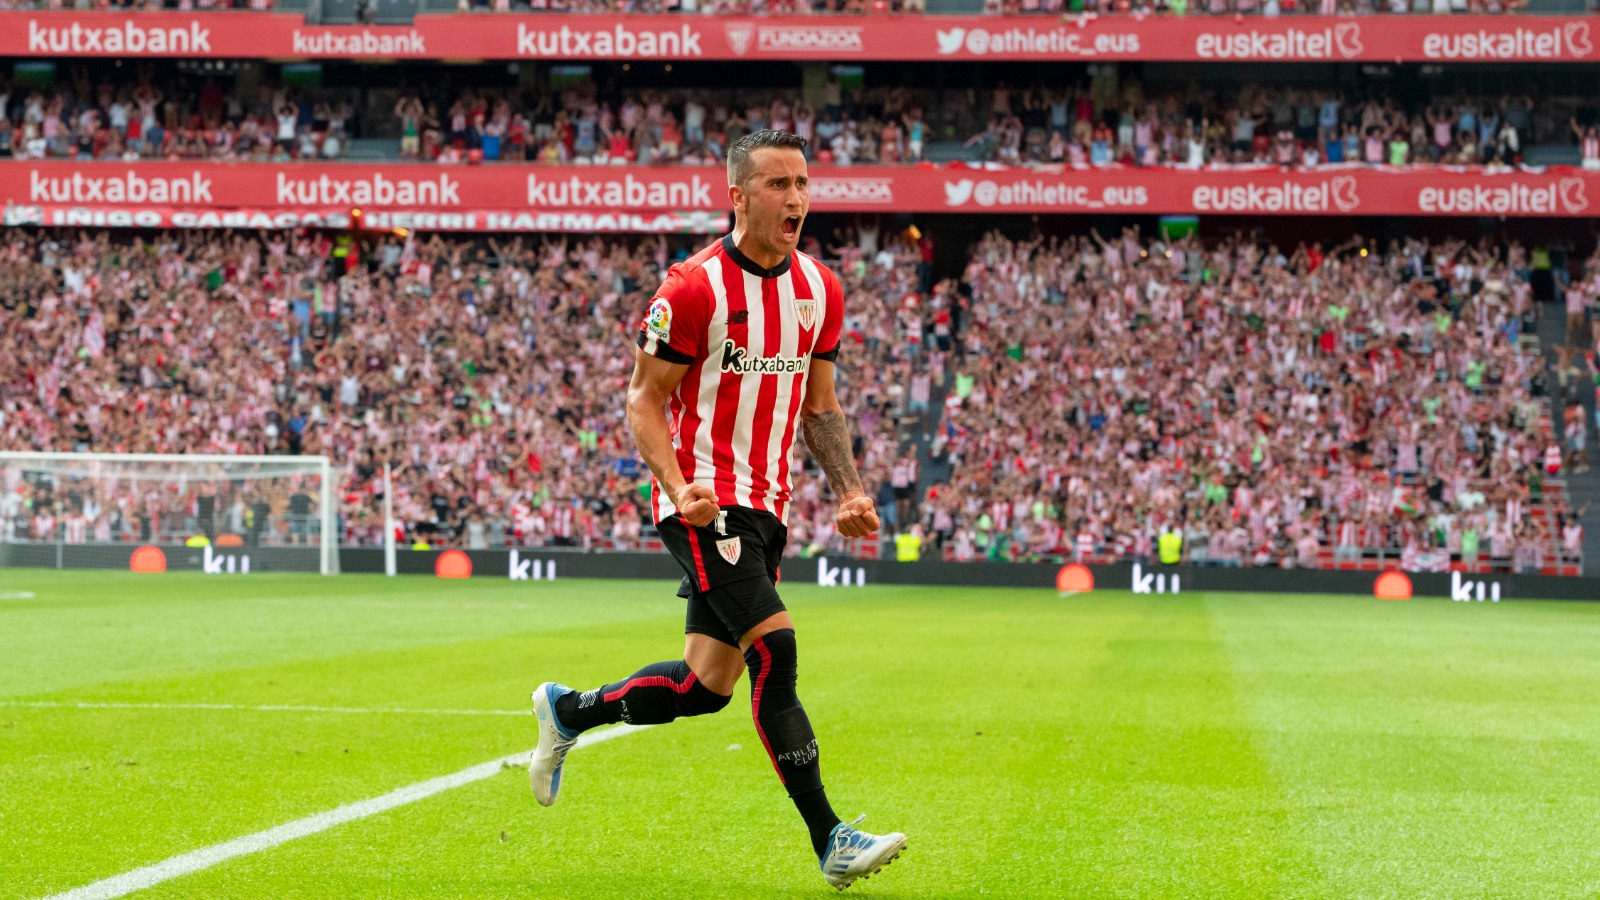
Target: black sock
(819, 816)
(786, 732)
(654, 695)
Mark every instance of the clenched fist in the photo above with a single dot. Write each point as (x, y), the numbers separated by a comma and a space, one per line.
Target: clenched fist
(698, 504)
(858, 515)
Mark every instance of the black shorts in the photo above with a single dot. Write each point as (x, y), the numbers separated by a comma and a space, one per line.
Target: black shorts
(730, 572)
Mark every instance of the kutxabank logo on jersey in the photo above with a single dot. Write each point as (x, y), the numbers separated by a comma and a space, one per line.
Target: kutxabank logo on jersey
(737, 360)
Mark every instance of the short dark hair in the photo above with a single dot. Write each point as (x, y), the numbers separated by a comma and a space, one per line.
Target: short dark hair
(739, 153)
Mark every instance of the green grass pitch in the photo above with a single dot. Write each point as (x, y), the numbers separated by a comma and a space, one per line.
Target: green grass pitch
(1030, 745)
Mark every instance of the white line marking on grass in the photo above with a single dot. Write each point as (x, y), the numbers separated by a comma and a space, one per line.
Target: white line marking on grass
(47, 704)
(206, 857)
(16, 595)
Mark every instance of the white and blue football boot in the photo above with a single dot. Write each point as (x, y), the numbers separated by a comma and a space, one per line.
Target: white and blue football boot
(856, 854)
(544, 767)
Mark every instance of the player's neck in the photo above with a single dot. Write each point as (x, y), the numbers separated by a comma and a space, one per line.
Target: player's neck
(763, 256)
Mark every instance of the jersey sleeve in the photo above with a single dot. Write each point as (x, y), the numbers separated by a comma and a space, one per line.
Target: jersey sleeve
(832, 318)
(674, 327)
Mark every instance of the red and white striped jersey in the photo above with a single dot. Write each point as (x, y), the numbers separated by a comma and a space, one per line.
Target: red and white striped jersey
(904, 474)
(561, 521)
(748, 336)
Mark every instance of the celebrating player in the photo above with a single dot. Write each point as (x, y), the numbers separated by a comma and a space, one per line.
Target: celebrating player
(738, 347)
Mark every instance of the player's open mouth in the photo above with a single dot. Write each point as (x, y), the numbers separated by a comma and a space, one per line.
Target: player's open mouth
(791, 224)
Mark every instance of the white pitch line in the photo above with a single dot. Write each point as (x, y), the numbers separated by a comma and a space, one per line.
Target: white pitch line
(206, 857)
(47, 704)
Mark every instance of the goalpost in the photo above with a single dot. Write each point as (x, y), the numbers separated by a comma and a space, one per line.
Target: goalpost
(94, 509)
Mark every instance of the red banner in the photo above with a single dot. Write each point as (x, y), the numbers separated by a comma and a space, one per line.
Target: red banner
(1412, 38)
(694, 199)
(57, 215)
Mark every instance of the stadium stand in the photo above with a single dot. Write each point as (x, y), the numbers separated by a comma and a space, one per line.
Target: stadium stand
(1349, 406)
(166, 114)
(1322, 408)
(1351, 403)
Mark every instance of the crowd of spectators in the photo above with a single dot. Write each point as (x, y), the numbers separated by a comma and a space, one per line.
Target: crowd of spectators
(877, 127)
(489, 375)
(136, 5)
(1108, 120)
(177, 118)
(1096, 390)
(1267, 405)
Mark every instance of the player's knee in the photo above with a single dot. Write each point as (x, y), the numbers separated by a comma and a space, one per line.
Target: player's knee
(703, 700)
(709, 688)
(716, 665)
(700, 700)
(780, 645)
(721, 681)
(773, 660)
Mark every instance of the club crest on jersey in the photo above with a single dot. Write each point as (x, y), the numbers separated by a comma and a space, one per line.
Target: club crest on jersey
(659, 319)
(730, 550)
(806, 312)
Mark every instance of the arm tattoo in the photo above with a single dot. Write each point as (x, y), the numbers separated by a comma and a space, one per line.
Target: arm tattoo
(828, 439)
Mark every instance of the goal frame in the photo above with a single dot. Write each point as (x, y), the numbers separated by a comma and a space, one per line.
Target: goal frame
(328, 552)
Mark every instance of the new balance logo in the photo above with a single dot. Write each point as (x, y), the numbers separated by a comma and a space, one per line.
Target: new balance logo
(1153, 582)
(1463, 590)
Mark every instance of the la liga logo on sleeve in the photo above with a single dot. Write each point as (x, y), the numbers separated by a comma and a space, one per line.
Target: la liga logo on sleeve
(659, 319)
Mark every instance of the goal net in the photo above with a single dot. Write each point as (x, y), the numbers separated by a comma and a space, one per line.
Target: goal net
(153, 512)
